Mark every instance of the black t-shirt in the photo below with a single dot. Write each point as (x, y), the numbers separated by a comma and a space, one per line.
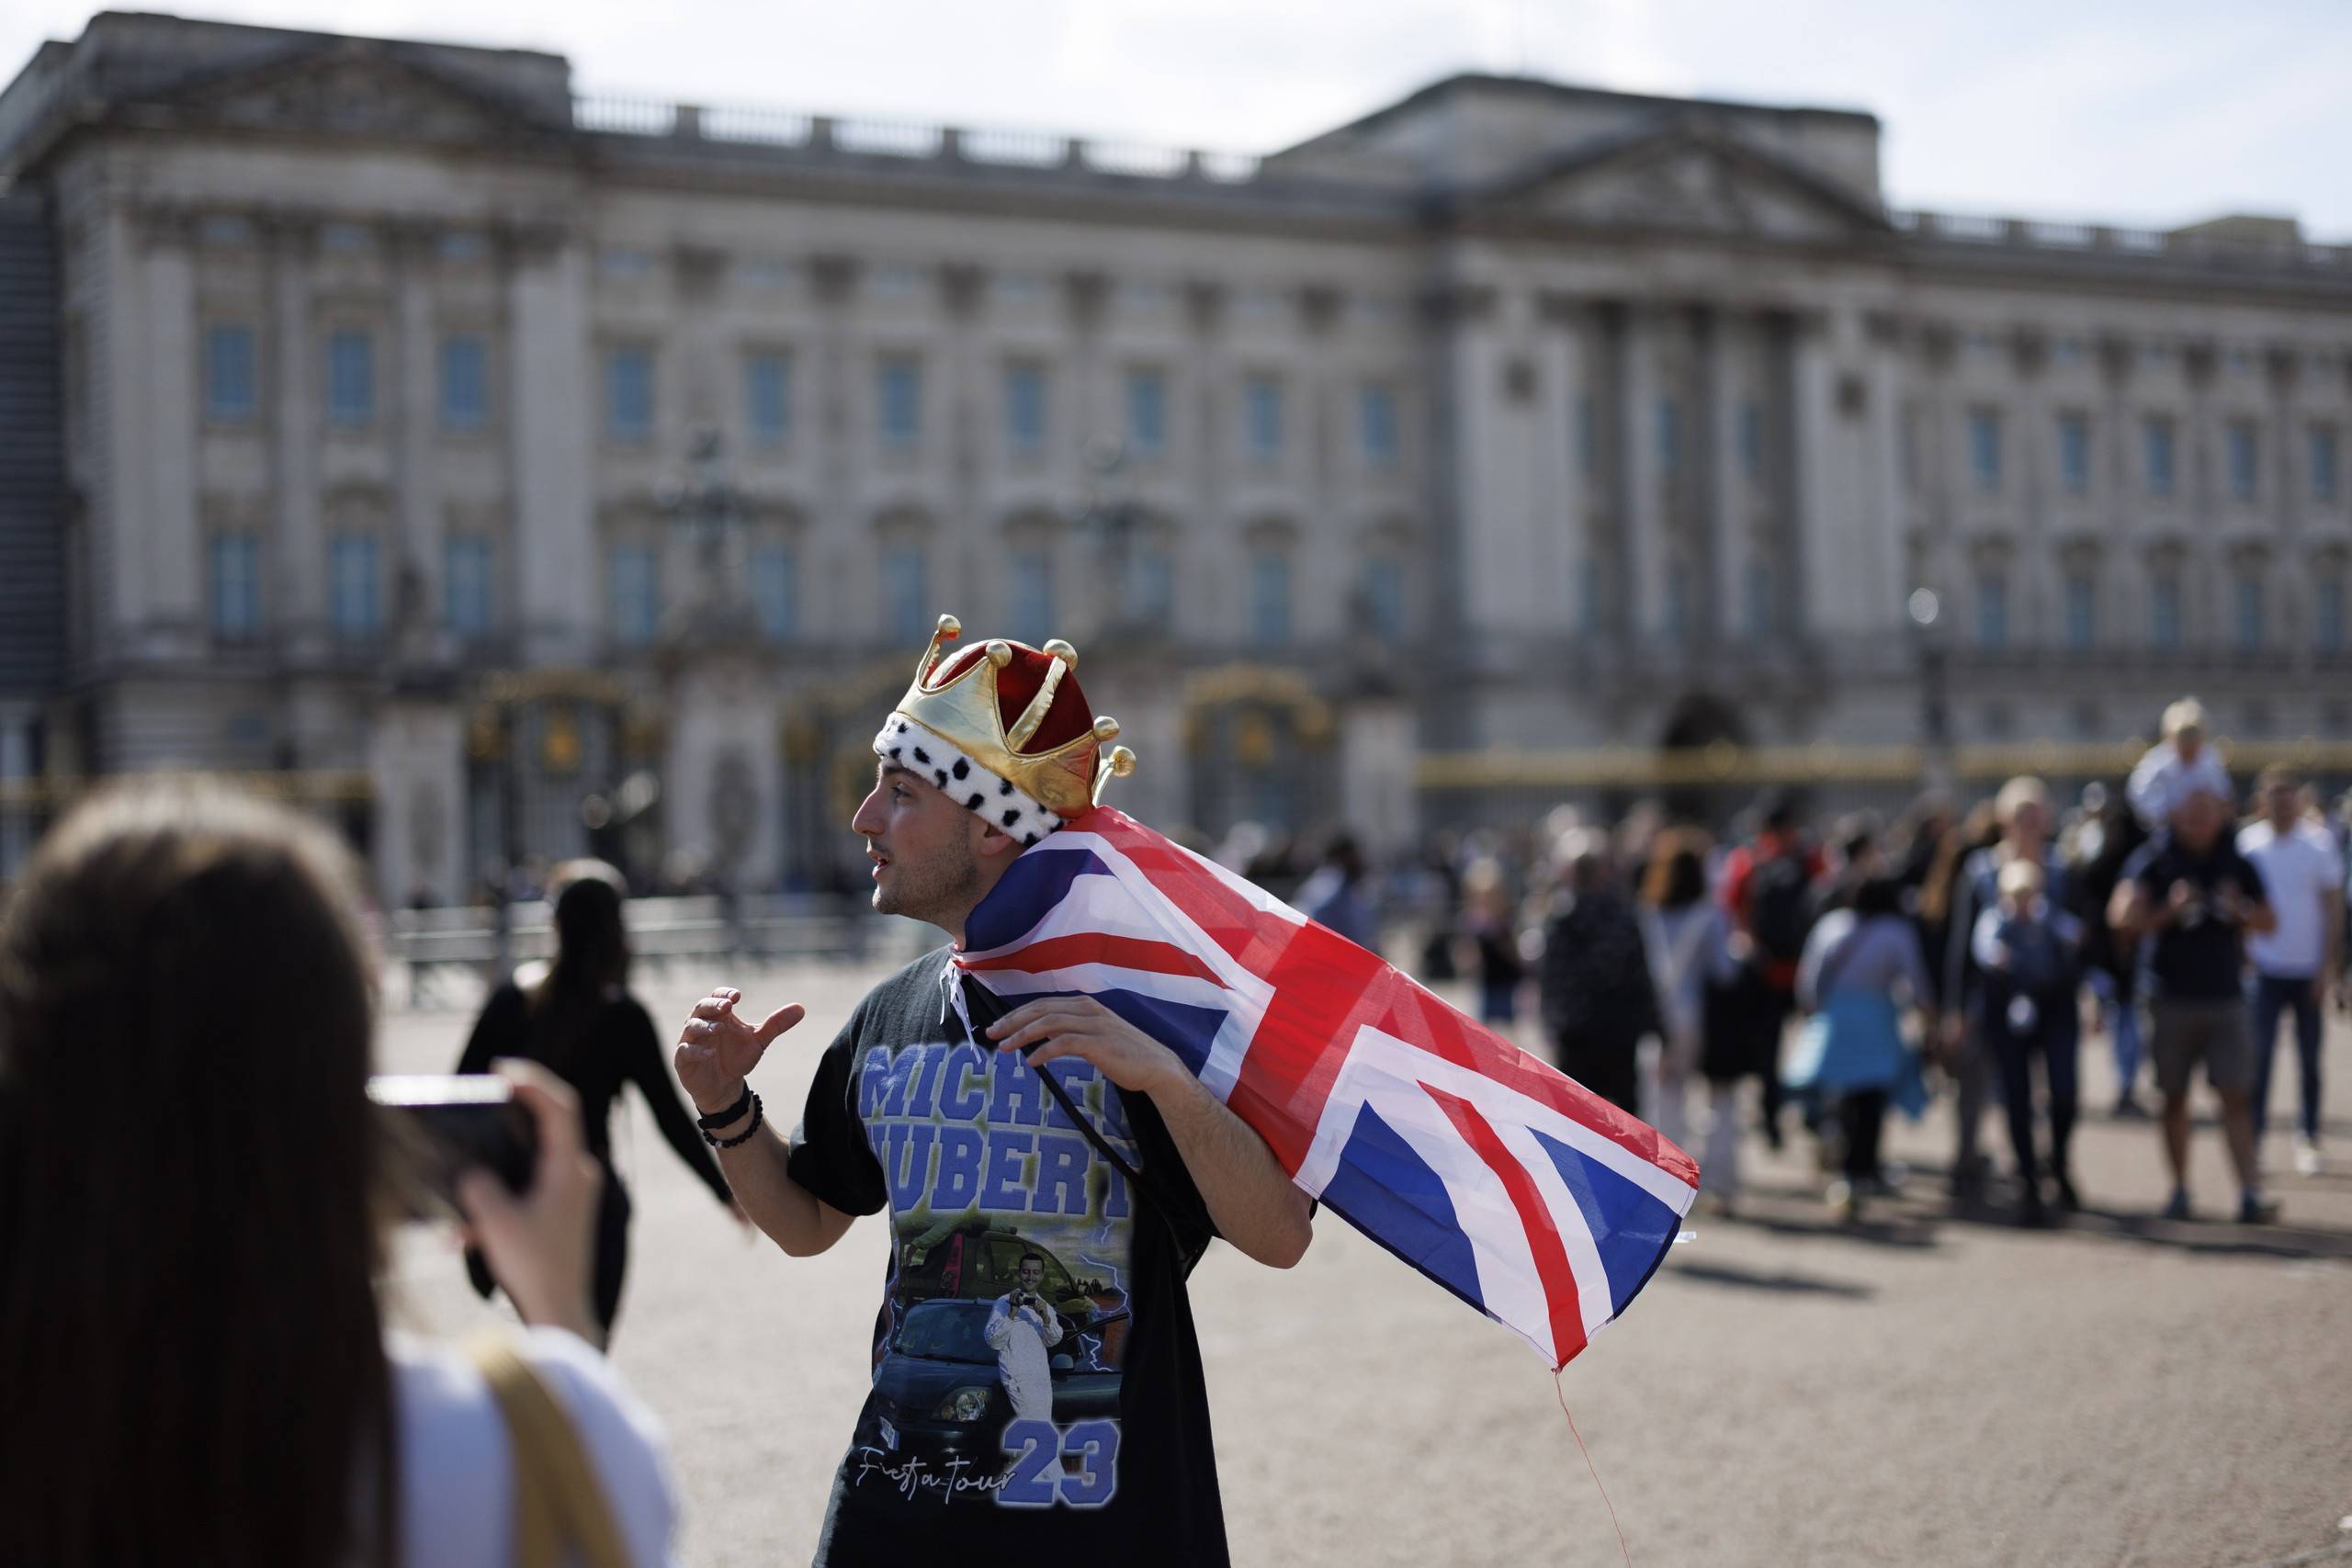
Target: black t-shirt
(1037, 1391)
(2197, 957)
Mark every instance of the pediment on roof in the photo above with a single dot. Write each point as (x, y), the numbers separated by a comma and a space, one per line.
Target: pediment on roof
(355, 88)
(1683, 181)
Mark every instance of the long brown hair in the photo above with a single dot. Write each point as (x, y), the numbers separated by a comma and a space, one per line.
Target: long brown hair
(591, 957)
(192, 1366)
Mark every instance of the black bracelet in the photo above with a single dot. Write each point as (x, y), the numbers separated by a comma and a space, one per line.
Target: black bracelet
(720, 1118)
(739, 1137)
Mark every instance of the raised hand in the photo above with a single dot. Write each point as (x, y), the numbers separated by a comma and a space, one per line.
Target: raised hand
(718, 1050)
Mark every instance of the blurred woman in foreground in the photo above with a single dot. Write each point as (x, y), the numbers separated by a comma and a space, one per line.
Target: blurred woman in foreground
(194, 1366)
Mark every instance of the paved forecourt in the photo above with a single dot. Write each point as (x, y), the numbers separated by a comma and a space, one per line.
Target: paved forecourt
(1924, 1389)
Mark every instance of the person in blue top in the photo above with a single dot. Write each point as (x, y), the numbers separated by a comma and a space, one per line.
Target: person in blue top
(2029, 953)
(2195, 897)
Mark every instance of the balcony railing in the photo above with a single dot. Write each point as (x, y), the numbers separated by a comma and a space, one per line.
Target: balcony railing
(2036, 234)
(819, 135)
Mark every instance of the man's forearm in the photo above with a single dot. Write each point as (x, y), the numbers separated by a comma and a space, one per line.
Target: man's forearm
(1248, 1194)
(793, 1217)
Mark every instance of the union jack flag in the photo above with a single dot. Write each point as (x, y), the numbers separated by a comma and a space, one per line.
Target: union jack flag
(1510, 1184)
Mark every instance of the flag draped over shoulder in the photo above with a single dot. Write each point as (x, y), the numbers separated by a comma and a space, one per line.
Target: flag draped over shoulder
(1506, 1182)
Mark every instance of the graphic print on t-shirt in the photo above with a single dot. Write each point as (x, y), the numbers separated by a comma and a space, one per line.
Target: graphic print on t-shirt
(1004, 1331)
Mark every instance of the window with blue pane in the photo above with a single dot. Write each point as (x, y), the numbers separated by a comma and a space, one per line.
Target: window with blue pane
(637, 593)
(351, 378)
(2082, 610)
(2073, 452)
(898, 393)
(2156, 438)
(1025, 410)
(2244, 449)
(1376, 413)
(465, 383)
(629, 394)
(1752, 440)
(2327, 615)
(2323, 465)
(767, 398)
(1762, 616)
(1151, 584)
(466, 584)
(229, 392)
(1984, 449)
(1146, 412)
(1261, 406)
(2249, 607)
(1384, 597)
(234, 598)
(1029, 595)
(1269, 597)
(775, 589)
(355, 586)
(2164, 611)
(1992, 609)
(1669, 437)
(906, 594)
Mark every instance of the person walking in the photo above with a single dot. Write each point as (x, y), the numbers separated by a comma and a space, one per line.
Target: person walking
(193, 1339)
(1768, 891)
(2022, 813)
(2292, 965)
(1684, 937)
(2105, 838)
(1488, 925)
(576, 1018)
(2191, 894)
(2029, 955)
(1061, 1132)
(1861, 968)
(1594, 979)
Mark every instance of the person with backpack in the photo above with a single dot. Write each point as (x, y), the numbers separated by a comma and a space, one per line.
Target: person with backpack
(1768, 893)
(2021, 811)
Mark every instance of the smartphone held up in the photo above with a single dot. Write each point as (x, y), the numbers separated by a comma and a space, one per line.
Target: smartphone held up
(443, 1124)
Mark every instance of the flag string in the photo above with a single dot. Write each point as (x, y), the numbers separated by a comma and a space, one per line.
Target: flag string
(1559, 1390)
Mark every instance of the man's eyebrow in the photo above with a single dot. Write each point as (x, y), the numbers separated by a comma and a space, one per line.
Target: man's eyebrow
(886, 769)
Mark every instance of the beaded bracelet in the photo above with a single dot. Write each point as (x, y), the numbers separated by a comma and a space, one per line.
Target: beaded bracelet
(739, 1137)
(720, 1118)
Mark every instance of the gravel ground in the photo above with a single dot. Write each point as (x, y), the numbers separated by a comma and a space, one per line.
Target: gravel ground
(1927, 1389)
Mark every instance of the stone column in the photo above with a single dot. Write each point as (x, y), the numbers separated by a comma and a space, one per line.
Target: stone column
(2034, 576)
(845, 615)
(161, 567)
(1641, 509)
(294, 572)
(416, 764)
(1722, 515)
(2282, 366)
(1209, 605)
(1376, 794)
(414, 569)
(553, 419)
(723, 776)
(1823, 576)
(2206, 589)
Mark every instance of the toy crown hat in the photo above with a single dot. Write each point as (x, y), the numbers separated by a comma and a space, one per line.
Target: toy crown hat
(1017, 712)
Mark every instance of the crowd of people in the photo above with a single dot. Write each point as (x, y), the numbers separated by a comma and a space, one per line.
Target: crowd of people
(1868, 967)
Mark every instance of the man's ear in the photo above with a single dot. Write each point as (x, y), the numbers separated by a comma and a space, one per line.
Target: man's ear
(993, 841)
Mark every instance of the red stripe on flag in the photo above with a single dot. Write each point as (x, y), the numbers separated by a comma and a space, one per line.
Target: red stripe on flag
(1094, 947)
(1543, 1236)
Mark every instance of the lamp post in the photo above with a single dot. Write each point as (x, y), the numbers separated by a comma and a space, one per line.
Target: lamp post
(1926, 610)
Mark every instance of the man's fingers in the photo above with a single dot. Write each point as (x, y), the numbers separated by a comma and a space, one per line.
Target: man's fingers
(713, 1006)
(1056, 1049)
(1045, 1028)
(776, 1022)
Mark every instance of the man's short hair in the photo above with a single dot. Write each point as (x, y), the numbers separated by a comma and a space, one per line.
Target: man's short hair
(2277, 775)
(1038, 1258)
(2022, 791)
(2186, 714)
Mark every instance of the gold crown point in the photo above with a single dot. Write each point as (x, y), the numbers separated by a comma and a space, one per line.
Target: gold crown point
(1122, 761)
(1057, 648)
(950, 628)
(1106, 729)
(999, 653)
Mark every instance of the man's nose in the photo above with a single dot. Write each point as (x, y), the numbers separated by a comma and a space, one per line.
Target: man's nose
(867, 820)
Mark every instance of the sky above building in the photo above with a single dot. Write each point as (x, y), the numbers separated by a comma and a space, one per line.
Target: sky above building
(2148, 112)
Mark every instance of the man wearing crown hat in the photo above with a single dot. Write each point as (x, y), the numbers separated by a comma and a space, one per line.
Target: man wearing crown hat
(1055, 1134)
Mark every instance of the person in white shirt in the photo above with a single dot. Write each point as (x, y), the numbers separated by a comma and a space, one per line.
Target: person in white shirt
(2293, 965)
(192, 1181)
(1022, 1327)
(2181, 763)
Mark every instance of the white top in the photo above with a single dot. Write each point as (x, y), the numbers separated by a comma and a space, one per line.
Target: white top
(1020, 1336)
(457, 1470)
(2298, 870)
(2161, 781)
